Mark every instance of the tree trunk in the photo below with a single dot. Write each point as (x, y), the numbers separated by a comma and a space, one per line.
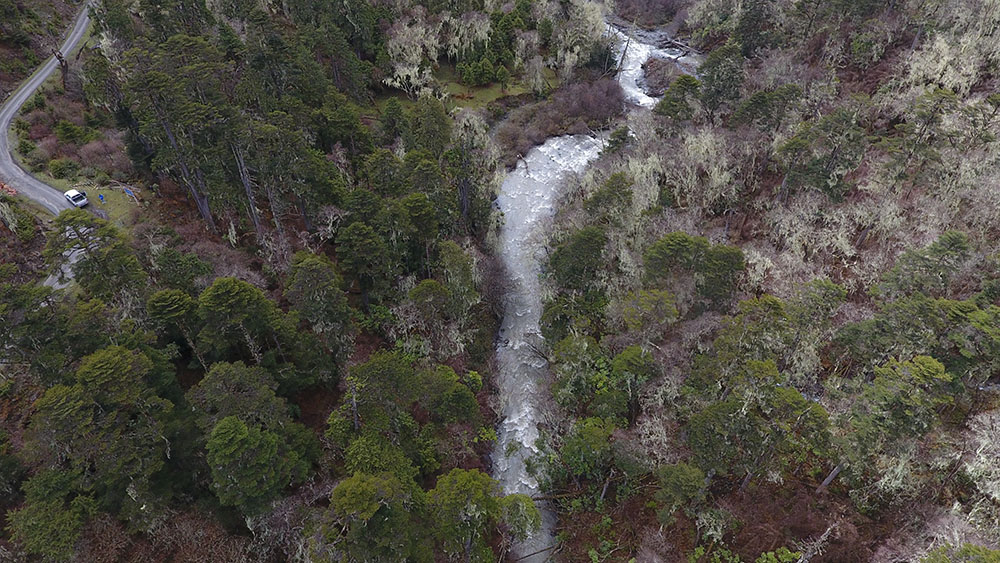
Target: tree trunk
(247, 182)
(254, 348)
(305, 215)
(63, 66)
(354, 408)
(194, 349)
(200, 200)
(829, 478)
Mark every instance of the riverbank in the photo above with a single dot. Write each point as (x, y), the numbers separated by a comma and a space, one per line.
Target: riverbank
(527, 199)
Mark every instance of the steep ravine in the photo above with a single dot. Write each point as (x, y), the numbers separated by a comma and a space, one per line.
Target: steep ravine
(527, 198)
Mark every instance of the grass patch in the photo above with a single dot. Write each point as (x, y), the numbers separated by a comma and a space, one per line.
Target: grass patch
(473, 97)
(116, 204)
(462, 96)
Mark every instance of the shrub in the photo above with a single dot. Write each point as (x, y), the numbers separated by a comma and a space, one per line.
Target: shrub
(574, 109)
(576, 260)
(19, 221)
(63, 168)
(610, 202)
(24, 146)
(716, 268)
(649, 12)
(72, 134)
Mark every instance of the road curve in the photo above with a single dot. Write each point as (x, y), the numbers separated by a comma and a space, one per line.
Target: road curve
(10, 172)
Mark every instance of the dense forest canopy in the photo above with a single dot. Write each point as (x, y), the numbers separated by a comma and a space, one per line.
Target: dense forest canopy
(772, 304)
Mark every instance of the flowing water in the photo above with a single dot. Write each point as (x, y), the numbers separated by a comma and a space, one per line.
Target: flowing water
(640, 46)
(527, 198)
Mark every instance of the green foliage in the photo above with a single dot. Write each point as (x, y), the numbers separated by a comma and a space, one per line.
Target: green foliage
(618, 139)
(430, 126)
(237, 390)
(107, 425)
(456, 270)
(18, 220)
(915, 143)
(966, 553)
(372, 453)
(649, 311)
(674, 250)
(824, 151)
(53, 516)
(375, 518)
(171, 305)
(611, 201)
(174, 269)
(502, 77)
(751, 29)
(582, 313)
(588, 451)
(680, 486)
(11, 470)
(431, 300)
(73, 134)
(716, 268)
(393, 122)
(767, 109)
(630, 370)
(903, 399)
(928, 270)
(313, 287)
(250, 466)
(575, 262)
(721, 77)
(462, 506)
(63, 168)
(717, 554)
(780, 555)
(363, 256)
(760, 425)
(106, 266)
(680, 99)
(581, 369)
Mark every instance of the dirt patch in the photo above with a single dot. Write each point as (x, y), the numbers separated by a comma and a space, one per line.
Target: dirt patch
(772, 516)
(315, 405)
(648, 13)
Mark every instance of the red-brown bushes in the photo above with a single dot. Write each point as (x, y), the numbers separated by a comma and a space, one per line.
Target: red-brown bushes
(106, 154)
(649, 12)
(40, 130)
(67, 110)
(576, 108)
(49, 146)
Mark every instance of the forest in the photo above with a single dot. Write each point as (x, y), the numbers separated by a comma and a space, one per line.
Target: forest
(771, 315)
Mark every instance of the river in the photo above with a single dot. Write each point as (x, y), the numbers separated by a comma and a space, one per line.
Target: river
(527, 199)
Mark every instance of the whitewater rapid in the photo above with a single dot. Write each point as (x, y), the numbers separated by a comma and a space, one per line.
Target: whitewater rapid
(527, 199)
(640, 46)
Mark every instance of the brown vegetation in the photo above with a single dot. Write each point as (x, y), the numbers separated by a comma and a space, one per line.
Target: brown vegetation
(649, 12)
(577, 108)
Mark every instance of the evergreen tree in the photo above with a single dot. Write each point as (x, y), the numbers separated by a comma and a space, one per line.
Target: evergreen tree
(250, 466)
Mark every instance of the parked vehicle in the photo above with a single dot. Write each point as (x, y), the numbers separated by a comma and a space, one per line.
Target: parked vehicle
(77, 198)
